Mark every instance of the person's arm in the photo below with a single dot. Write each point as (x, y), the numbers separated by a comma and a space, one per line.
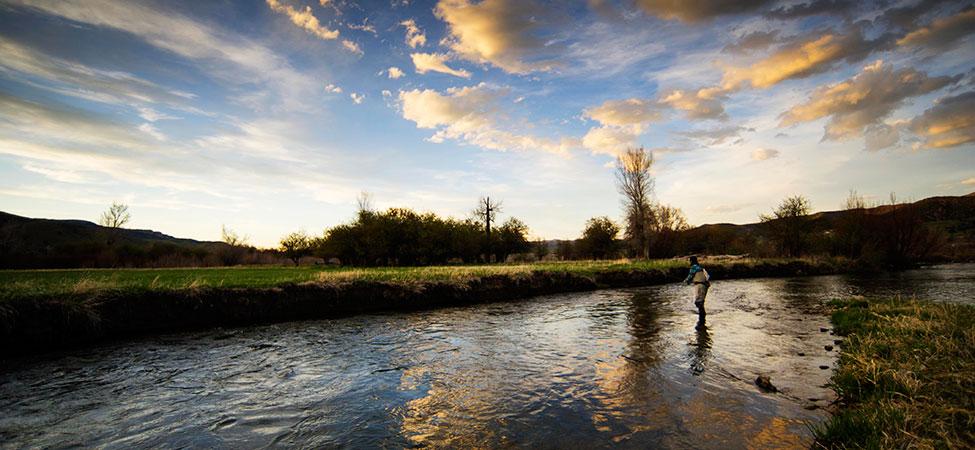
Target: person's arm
(690, 276)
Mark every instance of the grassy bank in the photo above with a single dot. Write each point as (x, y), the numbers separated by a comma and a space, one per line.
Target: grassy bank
(51, 309)
(26, 283)
(906, 377)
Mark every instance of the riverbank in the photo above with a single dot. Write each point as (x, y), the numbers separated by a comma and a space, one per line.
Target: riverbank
(906, 376)
(47, 310)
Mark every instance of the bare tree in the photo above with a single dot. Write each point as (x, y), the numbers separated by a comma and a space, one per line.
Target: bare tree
(364, 202)
(230, 237)
(485, 211)
(635, 183)
(116, 216)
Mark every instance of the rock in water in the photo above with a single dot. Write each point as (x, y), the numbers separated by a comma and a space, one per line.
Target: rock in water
(764, 382)
(828, 348)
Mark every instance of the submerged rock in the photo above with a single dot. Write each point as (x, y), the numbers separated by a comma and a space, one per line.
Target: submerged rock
(764, 382)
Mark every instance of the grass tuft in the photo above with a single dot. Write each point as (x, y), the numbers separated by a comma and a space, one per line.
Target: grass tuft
(906, 377)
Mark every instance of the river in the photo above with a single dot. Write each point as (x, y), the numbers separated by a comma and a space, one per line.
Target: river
(623, 368)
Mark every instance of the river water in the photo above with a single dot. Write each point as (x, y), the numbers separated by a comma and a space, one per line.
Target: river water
(624, 368)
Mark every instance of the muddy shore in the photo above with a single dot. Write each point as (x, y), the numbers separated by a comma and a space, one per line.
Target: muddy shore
(36, 324)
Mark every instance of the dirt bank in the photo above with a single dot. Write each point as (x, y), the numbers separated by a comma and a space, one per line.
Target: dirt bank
(42, 323)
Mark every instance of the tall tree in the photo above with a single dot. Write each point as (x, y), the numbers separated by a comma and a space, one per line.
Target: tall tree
(635, 183)
(485, 212)
(116, 216)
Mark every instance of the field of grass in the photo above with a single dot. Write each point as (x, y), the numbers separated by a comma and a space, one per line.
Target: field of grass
(906, 377)
(26, 283)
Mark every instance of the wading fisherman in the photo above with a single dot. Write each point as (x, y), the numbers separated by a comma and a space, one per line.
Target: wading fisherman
(701, 281)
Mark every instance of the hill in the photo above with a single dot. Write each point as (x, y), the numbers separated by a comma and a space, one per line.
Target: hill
(48, 243)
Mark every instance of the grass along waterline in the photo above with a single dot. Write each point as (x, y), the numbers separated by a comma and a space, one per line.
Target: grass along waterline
(906, 377)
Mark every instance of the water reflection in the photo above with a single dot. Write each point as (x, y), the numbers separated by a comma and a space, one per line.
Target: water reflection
(701, 347)
(631, 368)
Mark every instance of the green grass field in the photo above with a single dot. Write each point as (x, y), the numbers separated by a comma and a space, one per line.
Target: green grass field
(26, 283)
(906, 377)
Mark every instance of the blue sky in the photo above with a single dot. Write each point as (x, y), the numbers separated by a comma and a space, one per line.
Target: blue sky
(271, 116)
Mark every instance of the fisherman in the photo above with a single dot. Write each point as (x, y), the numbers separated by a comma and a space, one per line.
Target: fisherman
(701, 281)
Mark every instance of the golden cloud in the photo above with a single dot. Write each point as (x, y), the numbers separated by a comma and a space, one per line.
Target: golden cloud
(471, 114)
(800, 59)
(632, 111)
(436, 62)
(942, 33)
(502, 33)
(864, 100)
(763, 154)
(303, 19)
(414, 35)
(701, 104)
(949, 123)
(698, 10)
(612, 140)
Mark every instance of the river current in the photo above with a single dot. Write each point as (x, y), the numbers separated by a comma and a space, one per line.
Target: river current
(629, 367)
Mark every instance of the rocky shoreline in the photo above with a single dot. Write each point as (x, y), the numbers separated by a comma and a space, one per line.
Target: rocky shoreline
(36, 324)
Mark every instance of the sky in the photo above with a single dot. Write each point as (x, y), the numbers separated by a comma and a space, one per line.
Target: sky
(273, 116)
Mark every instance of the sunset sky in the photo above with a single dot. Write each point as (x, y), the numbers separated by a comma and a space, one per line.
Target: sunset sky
(271, 116)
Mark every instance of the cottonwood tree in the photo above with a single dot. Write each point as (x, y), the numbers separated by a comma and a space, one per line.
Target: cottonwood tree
(116, 216)
(635, 183)
(789, 224)
(296, 245)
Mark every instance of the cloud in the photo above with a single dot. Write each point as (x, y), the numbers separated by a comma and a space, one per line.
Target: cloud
(149, 129)
(880, 136)
(414, 35)
(811, 8)
(942, 33)
(763, 154)
(949, 123)
(436, 62)
(754, 41)
(351, 46)
(805, 56)
(304, 19)
(622, 122)
(224, 55)
(864, 100)
(503, 33)
(81, 81)
(716, 136)
(333, 89)
(969, 182)
(152, 115)
(699, 10)
(701, 104)
(394, 72)
(612, 140)
(357, 98)
(471, 114)
(632, 111)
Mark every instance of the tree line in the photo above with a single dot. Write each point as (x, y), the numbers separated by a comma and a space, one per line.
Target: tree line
(403, 237)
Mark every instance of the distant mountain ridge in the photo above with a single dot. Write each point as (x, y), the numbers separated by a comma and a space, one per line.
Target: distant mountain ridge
(50, 243)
